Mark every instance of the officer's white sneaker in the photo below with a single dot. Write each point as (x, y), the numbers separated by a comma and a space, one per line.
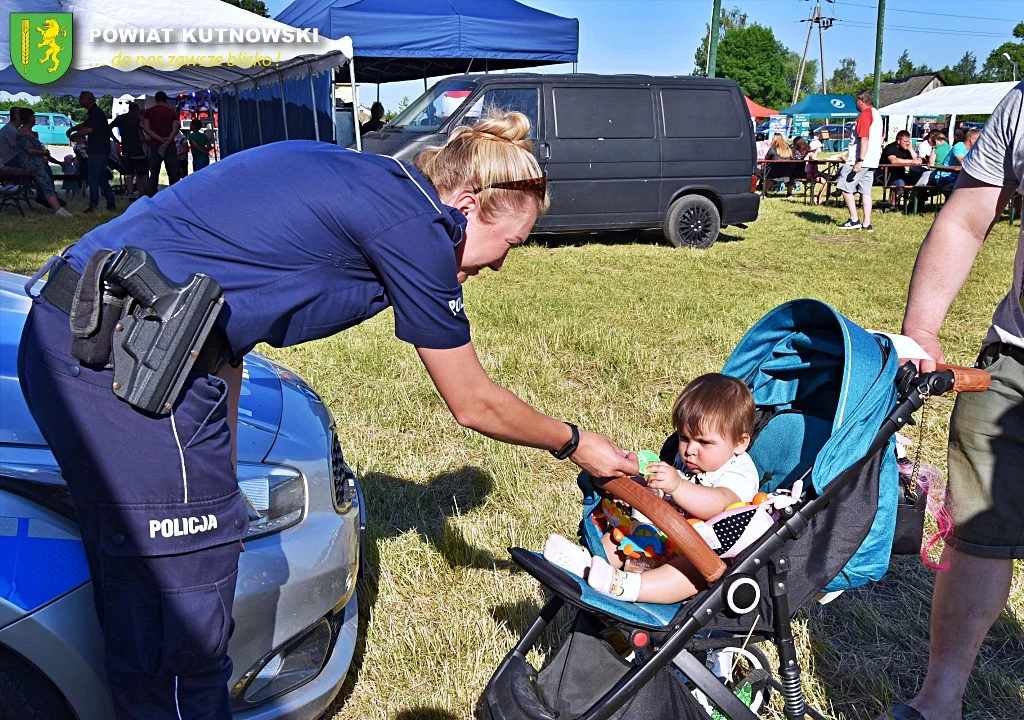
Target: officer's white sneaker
(63, 213)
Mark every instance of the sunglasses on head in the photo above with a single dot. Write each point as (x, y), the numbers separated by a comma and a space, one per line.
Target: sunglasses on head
(536, 185)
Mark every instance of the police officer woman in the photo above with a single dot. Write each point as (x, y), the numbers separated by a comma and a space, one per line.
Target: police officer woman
(306, 239)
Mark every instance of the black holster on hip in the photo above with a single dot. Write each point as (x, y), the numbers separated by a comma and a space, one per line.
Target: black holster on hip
(127, 314)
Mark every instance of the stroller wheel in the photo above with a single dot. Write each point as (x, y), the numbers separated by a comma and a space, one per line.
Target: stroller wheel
(739, 668)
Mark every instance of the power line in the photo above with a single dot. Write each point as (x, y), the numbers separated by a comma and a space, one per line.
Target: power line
(940, 31)
(930, 13)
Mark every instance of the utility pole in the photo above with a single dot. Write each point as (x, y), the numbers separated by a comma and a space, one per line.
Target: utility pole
(716, 22)
(823, 24)
(821, 46)
(878, 49)
(803, 60)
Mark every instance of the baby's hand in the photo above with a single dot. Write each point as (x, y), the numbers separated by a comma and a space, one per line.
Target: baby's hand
(664, 477)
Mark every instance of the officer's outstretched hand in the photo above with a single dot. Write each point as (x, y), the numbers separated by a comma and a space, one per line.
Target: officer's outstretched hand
(602, 458)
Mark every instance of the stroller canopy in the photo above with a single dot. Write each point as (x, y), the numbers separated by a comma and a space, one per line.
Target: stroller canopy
(806, 362)
(805, 356)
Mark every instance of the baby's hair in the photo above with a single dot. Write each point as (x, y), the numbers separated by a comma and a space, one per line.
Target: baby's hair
(714, 402)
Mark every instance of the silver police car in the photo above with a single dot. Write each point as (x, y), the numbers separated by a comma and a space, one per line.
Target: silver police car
(295, 606)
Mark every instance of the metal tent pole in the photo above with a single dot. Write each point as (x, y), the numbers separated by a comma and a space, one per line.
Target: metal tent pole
(284, 108)
(256, 91)
(214, 117)
(312, 99)
(238, 116)
(355, 102)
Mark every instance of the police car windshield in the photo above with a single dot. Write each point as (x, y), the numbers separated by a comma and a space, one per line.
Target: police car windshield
(429, 111)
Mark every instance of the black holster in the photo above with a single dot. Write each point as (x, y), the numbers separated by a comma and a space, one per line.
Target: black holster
(126, 314)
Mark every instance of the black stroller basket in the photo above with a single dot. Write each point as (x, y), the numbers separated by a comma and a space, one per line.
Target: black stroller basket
(766, 583)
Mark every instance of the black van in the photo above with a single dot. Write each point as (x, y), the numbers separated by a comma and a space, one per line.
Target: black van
(621, 151)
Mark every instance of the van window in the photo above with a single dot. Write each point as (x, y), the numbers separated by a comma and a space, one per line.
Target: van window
(524, 100)
(430, 110)
(42, 119)
(605, 112)
(701, 113)
(61, 121)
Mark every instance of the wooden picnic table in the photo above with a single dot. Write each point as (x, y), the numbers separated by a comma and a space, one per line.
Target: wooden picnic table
(887, 168)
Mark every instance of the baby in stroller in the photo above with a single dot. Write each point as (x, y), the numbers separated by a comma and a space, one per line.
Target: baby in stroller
(712, 482)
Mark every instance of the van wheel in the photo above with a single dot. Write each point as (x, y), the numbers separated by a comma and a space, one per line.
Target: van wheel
(692, 221)
(27, 695)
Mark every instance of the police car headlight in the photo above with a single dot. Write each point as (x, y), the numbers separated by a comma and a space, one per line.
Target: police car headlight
(274, 496)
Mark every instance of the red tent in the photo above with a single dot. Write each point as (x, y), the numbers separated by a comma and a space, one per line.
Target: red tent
(758, 111)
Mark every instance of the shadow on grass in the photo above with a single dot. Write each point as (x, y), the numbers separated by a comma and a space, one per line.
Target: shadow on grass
(612, 238)
(865, 670)
(602, 237)
(815, 217)
(517, 616)
(424, 713)
(395, 506)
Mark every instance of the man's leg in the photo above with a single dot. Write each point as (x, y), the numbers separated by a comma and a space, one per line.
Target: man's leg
(865, 196)
(968, 598)
(851, 205)
(97, 164)
(104, 184)
(171, 160)
(154, 160)
(985, 498)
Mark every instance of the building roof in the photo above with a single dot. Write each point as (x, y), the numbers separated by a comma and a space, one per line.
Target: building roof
(893, 91)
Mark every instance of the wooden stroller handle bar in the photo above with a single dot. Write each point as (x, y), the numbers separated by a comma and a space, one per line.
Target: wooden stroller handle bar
(966, 379)
(669, 521)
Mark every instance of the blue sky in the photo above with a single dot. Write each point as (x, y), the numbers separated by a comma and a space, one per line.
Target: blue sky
(659, 37)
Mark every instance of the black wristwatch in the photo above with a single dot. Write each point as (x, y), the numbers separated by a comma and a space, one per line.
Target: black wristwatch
(570, 447)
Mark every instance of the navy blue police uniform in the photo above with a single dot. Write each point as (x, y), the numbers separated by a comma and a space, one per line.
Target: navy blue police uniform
(306, 239)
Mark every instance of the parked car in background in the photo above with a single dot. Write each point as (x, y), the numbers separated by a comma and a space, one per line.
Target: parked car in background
(295, 611)
(52, 127)
(620, 151)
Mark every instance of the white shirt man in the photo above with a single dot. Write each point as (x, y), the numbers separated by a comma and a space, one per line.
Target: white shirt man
(858, 174)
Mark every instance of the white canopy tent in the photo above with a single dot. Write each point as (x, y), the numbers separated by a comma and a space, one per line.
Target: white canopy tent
(953, 100)
(260, 62)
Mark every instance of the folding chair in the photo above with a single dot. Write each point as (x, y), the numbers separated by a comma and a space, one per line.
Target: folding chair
(15, 184)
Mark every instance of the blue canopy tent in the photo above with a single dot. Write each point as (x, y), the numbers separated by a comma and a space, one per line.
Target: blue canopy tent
(824, 106)
(412, 39)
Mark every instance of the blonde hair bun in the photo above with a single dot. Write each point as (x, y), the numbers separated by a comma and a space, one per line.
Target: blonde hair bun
(496, 149)
(510, 126)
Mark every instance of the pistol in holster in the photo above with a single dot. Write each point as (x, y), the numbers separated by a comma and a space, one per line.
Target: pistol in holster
(127, 314)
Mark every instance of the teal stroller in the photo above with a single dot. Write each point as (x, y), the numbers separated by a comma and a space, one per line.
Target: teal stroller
(830, 398)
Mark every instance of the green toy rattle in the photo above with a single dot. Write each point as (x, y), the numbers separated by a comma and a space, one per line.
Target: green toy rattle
(645, 458)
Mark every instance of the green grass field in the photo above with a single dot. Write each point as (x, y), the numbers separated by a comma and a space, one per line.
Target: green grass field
(603, 331)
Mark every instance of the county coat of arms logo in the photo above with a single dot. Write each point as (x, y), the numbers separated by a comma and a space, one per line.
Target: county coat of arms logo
(41, 45)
